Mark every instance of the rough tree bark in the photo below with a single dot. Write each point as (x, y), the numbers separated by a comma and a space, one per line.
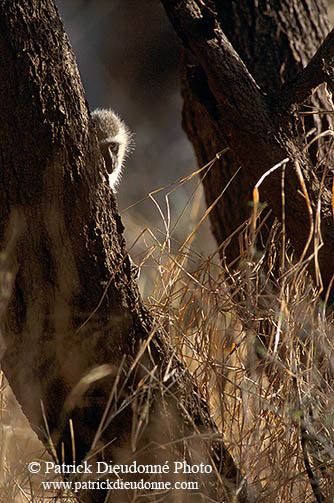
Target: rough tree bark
(73, 325)
(237, 55)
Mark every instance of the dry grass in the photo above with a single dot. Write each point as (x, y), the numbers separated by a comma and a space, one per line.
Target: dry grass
(258, 342)
(19, 446)
(261, 350)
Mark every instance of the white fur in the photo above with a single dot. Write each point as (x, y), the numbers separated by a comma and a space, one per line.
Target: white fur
(115, 141)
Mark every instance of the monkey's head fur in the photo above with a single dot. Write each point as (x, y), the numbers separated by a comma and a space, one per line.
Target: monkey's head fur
(115, 141)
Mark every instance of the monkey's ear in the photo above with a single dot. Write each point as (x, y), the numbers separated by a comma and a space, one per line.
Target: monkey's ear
(109, 150)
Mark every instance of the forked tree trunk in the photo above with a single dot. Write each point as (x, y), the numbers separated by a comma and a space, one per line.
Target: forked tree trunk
(72, 321)
(237, 55)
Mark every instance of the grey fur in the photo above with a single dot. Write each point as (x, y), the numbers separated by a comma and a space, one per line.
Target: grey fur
(115, 141)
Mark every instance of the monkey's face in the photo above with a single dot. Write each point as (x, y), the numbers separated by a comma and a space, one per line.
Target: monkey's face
(112, 155)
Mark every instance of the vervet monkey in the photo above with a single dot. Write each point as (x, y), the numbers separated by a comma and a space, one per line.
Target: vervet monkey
(115, 141)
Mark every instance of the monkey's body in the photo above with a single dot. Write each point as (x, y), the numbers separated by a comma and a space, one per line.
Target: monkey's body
(115, 141)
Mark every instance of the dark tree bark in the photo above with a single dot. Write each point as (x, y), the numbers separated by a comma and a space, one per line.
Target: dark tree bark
(237, 56)
(79, 347)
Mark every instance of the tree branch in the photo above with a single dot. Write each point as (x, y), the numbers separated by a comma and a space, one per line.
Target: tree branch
(319, 70)
(258, 132)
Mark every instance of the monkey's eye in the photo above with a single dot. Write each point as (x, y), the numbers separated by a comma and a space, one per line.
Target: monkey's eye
(110, 154)
(113, 153)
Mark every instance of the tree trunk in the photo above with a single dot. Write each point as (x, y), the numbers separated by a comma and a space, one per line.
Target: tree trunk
(233, 96)
(93, 375)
